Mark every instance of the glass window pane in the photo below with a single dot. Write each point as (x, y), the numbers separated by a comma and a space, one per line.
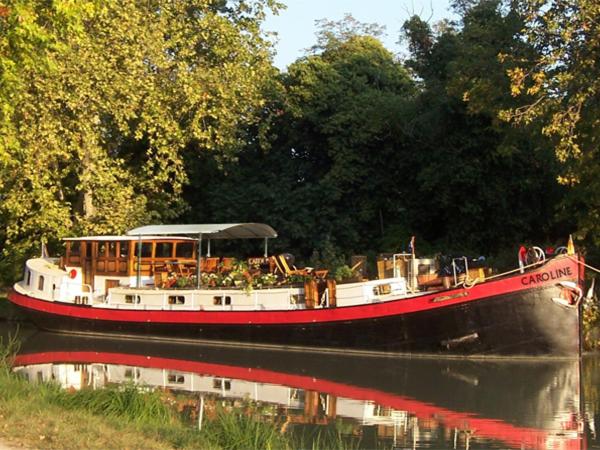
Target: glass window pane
(164, 250)
(146, 249)
(123, 249)
(112, 249)
(75, 248)
(184, 249)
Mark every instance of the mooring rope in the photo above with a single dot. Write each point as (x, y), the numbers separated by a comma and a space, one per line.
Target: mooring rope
(468, 284)
(584, 264)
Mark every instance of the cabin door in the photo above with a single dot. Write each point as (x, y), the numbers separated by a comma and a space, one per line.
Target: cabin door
(88, 265)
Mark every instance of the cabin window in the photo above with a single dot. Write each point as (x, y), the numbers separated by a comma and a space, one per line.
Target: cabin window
(297, 299)
(28, 272)
(102, 249)
(112, 249)
(220, 300)
(382, 289)
(146, 249)
(134, 299)
(219, 383)
(132, 373)
(123, 249)
(163, 250)
(40, 283)
(176, 378)
(184, 250)
(75, 248)
(88, 250)
(176, 300)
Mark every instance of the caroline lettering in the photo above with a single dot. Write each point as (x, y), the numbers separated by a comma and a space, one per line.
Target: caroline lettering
(546, 276)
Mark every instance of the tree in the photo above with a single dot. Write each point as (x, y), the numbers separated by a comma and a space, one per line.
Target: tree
(329, 177)
(480, 184)
(99, 99)
(559, 86)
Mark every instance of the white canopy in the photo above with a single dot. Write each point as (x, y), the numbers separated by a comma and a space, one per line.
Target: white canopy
(211, 231)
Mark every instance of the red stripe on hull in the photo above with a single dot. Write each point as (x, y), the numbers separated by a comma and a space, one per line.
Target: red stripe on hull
(563, 268)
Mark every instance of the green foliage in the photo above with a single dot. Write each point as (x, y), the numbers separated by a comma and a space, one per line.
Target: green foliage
(559, 86)
(343, 273)
(329, 175)
(479, 184)
(99, 99)
(232, 430)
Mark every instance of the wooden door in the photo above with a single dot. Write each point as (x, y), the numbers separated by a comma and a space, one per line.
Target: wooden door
(88, 265)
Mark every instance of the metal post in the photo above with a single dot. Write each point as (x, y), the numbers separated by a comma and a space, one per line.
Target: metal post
(266, 247)
(138, 281)
(208, 249)
(198, 259)
(200, 412)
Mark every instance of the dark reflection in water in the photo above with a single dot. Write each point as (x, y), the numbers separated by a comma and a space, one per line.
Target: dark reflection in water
(378, 402)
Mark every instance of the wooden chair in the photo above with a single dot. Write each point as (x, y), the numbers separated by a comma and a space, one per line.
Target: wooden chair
(210, 265)
(226, 265)
(283, 267)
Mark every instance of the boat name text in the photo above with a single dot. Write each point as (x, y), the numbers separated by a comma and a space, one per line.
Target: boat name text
(546, 276)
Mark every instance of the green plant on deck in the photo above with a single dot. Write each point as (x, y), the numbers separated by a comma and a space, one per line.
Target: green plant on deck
(343, 273)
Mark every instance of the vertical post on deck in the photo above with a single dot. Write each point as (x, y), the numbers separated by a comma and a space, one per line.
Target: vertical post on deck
(198, 260)
(138, 281)
(266, 247)
(208, 249)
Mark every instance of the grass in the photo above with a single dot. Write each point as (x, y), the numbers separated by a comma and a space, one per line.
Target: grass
(45, 416)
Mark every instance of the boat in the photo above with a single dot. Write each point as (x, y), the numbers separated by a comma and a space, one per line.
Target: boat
(160, 281)
(519, 404)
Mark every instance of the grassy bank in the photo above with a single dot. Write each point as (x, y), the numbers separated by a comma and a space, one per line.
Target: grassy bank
(42, 415)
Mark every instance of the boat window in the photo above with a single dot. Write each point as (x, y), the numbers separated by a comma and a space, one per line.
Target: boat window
(132, 372)
(176, 300)
(219, 383)
(164, 250)
(132, 299)
(88, 250)
(146, 249)
(75, 248)
(123, 249)
(40, 283)
(219, 299)
(382, 289)
(102, 249)
(112, 249)
(28, 277)
(176, 378)
(184, 250)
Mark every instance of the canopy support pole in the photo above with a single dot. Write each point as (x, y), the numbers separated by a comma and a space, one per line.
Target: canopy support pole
(198, 260)
(138, 280)
(208, 249)
(266, 247)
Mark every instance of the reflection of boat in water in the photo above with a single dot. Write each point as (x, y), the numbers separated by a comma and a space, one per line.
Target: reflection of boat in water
(520, 404)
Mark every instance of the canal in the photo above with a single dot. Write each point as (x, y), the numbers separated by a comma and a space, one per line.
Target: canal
(368, 402)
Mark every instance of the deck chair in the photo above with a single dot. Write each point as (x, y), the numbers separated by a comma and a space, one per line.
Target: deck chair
(226, 265)
(210, 265)
(282, 266)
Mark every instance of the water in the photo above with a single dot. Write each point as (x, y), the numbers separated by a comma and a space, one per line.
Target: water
(379, 403)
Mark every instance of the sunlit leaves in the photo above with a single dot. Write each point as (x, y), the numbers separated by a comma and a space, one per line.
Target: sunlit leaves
(98, 100)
